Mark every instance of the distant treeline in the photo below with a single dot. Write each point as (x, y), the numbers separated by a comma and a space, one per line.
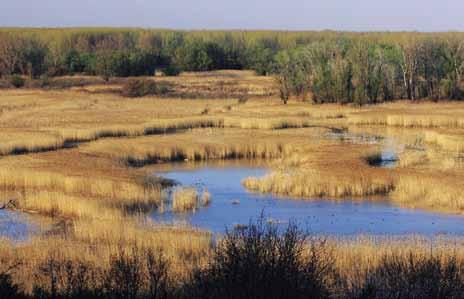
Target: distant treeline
(371, 69)
(326, 66)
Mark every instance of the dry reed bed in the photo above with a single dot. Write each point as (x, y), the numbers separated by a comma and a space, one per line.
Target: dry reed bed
(310, 184)
(160, 126)
(41, 141)
(452, 141)
(354, 257)
(203, 144)
(413, 121)
(117, 191)
(69, 174)
(94, 244)
(186, 249)
(326, 171)
(89, 186)
(437, 191)
(186, 199)
(24, 142)
(51, 118)
(60, 205)
(89, 182)
(413, 158)
(340, 172)
(406, 114)
(270, 107)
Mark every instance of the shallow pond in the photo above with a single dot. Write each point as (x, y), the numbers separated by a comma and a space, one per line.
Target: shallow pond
(232, 205)
(15, 226)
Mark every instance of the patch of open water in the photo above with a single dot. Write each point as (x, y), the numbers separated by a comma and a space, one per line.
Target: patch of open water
(233, 205)
(15, 226)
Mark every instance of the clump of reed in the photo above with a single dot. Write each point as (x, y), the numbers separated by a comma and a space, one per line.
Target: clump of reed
(199, 144)
(185, 199)
(119, 190)
(439, 192)
(450, 142)
(307, 184)
(161, 126)
(205, 199)
(59, 205)
(29, 143)
(266, 123)
(189, 199)
(408, 120)
(412, 158)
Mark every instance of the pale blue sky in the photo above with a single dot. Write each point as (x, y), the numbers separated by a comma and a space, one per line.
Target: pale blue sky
(361, 15)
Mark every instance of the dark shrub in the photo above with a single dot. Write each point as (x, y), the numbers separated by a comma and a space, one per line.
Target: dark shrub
(69, 82)
(5, 84)
(137, 274)
(139, 87)
(243, 98)
(60, 278)
(158, 278)
(171, 70)
(133, 273)
(415, 277)
(17, 81)
(42, 82)
(163, 89)
(260, 261)
(7, 288)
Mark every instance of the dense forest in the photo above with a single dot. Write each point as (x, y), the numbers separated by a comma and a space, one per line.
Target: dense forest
(324, 66)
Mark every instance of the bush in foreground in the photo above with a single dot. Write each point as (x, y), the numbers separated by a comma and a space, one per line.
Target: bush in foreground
(133, 273)
(257, 261)
(415, 276)
(260, 261)
(8, 290)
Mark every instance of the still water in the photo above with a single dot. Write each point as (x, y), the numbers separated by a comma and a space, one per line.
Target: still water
(14, 226)
(233, 205)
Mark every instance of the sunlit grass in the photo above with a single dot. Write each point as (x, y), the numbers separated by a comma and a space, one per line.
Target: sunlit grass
(79, 147)
(185, 199)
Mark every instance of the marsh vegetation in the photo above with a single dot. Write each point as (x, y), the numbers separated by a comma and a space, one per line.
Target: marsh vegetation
(80, 154)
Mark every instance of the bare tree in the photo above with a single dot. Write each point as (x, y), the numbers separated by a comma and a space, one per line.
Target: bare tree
(10, 53)
(454, 55)
(410, 50)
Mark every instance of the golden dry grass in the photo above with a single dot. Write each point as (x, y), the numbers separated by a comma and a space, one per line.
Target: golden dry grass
(440, 191)
(103, 200)
(34, 120)
(406, 114)
(56, 204)
(353, 257)
(205, 199)
(95, 242)
(185, 199)
(201, 144)
(448, 140)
